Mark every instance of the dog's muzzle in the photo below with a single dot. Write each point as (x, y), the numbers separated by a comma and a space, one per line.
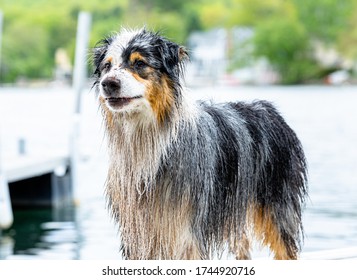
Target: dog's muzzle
(112, 90)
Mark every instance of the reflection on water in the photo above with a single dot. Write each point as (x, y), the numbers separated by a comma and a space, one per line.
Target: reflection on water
(324, 119)
(66, 233)
(36, 231)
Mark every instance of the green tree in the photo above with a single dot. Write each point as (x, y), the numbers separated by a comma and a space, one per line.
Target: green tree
(286, 32)
(25, 53)
(347, 38)
(285, 43)
(324, 20)
(285, 29)
(253, 12)
(214, 14)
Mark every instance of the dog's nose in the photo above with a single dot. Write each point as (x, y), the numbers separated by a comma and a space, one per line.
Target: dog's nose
(111, 86)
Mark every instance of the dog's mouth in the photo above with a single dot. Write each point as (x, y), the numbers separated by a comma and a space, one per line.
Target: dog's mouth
(119, 102)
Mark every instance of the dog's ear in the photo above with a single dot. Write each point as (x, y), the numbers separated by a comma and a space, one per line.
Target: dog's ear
(173, 56)
(183, 54)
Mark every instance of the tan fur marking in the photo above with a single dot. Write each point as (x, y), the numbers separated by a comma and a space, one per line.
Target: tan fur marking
(136, 56)
(138, 78)
(160, 98)
(267, 232)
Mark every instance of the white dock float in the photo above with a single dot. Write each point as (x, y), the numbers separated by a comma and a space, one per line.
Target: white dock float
(25, 167)
(34, 181)
(39, 180)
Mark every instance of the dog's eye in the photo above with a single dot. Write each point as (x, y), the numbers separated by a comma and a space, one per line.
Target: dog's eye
(139, 64)
(107, 66)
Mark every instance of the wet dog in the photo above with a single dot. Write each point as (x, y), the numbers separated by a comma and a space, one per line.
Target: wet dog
(188, 180)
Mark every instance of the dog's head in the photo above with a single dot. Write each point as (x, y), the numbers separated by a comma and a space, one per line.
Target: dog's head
(138, 71)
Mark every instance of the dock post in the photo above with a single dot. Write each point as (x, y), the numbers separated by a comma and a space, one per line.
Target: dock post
(79, 80)
(1, 24)
(6, 216)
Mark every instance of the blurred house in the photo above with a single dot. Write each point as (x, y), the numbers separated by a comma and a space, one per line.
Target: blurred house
(208, 55)
(221, 56)
(330, 58)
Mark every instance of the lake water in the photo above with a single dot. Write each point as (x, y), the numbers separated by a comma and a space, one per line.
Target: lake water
(325, 119)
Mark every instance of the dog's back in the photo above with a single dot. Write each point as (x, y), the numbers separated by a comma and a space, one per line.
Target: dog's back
(245, 171)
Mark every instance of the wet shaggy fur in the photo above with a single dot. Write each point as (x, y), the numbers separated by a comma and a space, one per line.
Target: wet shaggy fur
(189, 180)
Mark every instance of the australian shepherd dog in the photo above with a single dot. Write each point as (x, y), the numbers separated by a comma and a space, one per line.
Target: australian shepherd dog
(190, 180)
